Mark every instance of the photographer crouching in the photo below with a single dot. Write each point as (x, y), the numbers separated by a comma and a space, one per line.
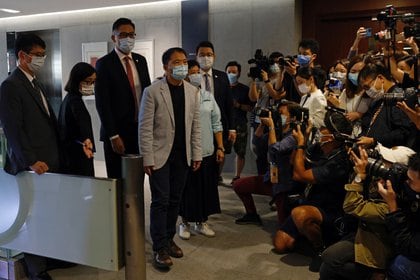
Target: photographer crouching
(364, 254)
(325, 175)
(278, 181)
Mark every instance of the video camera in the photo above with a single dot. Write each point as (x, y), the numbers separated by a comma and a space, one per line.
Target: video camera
(289, 59)
(261, 62)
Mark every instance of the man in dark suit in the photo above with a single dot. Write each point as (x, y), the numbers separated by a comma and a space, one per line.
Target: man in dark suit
(121, 78)
(29, 125)
(217, 82)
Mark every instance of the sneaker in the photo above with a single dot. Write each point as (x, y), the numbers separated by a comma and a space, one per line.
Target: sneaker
(315, 263)
(204, 229)
(184, 231)
(249, 219)
(162, 260)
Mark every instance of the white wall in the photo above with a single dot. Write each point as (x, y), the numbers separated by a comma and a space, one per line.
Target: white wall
(236, 28)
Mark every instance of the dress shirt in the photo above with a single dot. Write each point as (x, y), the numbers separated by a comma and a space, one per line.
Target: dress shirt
(137, 84)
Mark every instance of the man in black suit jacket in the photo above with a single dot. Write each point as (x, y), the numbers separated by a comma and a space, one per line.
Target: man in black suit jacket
(118, 89)
(29, 125)
(217, 83)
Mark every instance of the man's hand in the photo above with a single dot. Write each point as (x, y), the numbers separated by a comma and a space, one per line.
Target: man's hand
(353, 116)
(403, 106)
(220, 156)
(87, 148)
(268, 122)
(232, 136)
(365, 141)
(298, 135)
(148, 170)
(388, 194)
(360, 162)
(290, 68)
(264, 75)
(39, 167)
(196, 165)
(118, 145)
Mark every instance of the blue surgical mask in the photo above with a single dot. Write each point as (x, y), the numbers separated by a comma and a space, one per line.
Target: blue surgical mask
(274, 68)
(304, 60)
(233, 78)
(126, 45)
(195, 79)
(179, 72)
(353, 78)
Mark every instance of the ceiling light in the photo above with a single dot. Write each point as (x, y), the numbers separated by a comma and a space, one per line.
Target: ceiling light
(11, 11)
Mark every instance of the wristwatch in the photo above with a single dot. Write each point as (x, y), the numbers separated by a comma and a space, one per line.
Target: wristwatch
(221, 148)
(358, 179)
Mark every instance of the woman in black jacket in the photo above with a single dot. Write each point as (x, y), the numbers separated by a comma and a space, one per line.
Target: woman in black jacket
(74, 121)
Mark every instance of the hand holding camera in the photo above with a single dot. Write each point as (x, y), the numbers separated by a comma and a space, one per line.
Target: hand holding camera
(267, 120)
(388, 194)
(360, 161)
(298, 135)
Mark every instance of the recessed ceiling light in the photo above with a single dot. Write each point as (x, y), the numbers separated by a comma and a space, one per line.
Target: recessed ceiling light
(11, 11)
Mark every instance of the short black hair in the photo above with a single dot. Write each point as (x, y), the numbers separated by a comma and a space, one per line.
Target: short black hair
(234, 63)
(372, 70)
(311, 44)
(192, 63)
(337, 123)
(27, 41)
(122, 21)
(414, 163)
(319, 75)
(204, 44)
(78, 73)
(275, 54)
(168, 53)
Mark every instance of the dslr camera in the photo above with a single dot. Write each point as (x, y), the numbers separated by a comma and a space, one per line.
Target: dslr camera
(284, 61)
(301, 115)
(261, 63)
(264, 112)
(392, 98)
(396, 173)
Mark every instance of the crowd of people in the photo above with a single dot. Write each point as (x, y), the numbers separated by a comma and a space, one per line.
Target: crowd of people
(337, 153)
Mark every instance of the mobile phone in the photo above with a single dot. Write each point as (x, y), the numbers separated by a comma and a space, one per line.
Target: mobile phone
(368, 32)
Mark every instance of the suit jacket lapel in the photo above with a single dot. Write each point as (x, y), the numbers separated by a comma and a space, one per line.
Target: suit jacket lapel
(120, 68)
(166, 94)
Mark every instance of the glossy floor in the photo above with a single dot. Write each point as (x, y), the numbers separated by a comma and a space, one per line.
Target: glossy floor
(236, 252)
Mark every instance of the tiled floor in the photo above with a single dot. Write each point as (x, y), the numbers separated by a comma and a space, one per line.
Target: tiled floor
(237, 251)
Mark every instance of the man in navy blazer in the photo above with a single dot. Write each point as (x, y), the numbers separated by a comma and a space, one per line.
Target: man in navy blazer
(29, 125)
(121, 78)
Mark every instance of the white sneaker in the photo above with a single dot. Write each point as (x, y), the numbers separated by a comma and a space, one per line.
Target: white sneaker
(184, 231)
(204, 229)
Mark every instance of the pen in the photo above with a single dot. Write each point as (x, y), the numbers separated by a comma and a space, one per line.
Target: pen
(81, 143)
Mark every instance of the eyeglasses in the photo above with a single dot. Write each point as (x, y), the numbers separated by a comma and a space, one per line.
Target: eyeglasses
(367, 86)
(206, 54)
(38, 54)
(123, 35)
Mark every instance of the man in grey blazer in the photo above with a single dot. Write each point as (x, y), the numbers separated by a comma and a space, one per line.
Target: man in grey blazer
(29, 125)
(169, 141)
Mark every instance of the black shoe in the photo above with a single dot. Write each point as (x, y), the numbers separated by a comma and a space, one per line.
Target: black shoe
(174, 250)
(162, 260)
(249, 219)
(41, 276)
(315, 263)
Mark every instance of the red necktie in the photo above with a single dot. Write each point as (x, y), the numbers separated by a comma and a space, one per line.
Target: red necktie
(131, 81)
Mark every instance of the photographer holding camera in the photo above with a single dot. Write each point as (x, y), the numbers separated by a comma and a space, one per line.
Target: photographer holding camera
(279, 181)
(325, 177)
(364, 254)
(383, 122)
(403, 223)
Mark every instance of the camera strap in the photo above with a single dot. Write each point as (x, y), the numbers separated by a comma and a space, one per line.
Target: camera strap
(375, 116)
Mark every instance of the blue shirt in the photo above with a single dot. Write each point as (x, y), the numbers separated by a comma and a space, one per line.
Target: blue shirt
(210, 122)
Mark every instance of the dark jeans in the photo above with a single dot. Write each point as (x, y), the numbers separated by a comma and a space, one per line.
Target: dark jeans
(166, 184)
(404, 268)
(338, 262)
(247, 186)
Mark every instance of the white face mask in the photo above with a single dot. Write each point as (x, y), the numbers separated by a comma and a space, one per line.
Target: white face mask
(36, 63)
(373, 92)
(87, 89)
(304, 88)
(274, 68)
(339, 75)
(206, 62)
(195, 79)
(126, 45)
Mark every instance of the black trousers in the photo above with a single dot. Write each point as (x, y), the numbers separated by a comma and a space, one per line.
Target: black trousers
(166, 185)
(113, 160)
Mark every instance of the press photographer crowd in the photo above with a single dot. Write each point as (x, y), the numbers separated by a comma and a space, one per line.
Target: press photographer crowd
(337, 151)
